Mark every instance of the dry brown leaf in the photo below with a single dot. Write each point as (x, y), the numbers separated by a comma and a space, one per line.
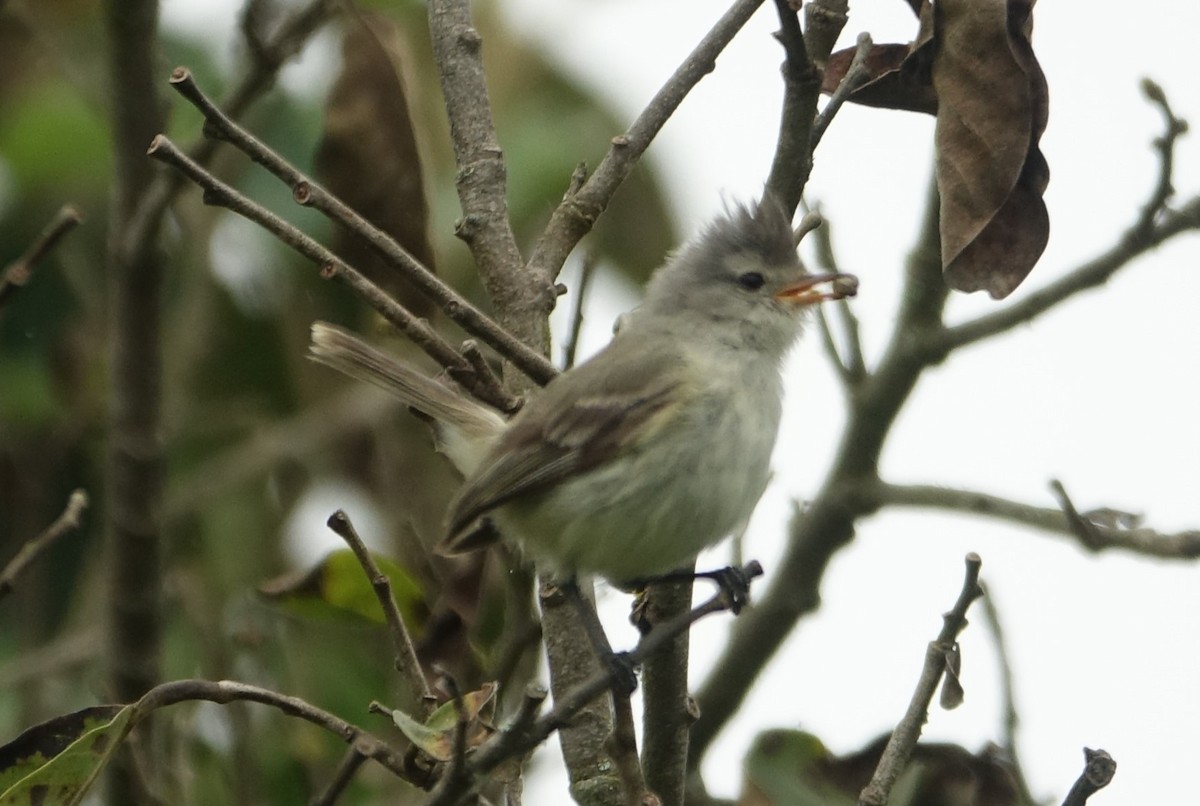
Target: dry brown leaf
(368, 154)
(899, 74)
(992, 109)
(972, 65)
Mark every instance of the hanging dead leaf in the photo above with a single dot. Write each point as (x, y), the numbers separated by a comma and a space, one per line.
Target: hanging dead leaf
(972, 65)
(899, 74)
(369, 155)
(992, 110)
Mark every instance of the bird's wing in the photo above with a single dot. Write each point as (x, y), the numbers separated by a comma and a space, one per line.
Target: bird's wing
(582, 419)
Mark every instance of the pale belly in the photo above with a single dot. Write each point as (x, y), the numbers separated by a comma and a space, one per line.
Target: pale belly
(653, 510)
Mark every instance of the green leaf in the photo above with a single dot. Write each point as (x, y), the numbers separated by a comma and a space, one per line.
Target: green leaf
(436, 735)
(784, 768)
(57, 761)
(338, 588)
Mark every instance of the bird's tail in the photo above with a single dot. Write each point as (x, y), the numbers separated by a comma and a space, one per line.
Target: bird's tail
(472, 425)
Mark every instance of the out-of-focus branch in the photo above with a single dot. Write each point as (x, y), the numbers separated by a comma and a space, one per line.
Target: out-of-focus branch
(349, 766)
(418, 330)
(1098, 771)
(1012, 718)
(68, 521)
(406, 656)
(578, 212)
(586, 270)
(135, 459)
(17, 273)
(309, 193)
(908, 731)
(1100, 535)
(268, 56)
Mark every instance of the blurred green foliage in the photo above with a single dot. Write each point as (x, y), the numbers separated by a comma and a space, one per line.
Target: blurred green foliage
(250, 427)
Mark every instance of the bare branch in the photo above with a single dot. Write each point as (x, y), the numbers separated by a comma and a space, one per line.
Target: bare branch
(482, 175)
(218, 193)
(1140, 540)
(224, 692)
(524, 735)
(586, 270)
(1011, 716)
(17, 273)
(309, 193)
(848, 356)
(622, 747)
(1156, 224)
(823, 24)
(577, 214)
(1099, 769)
(288, 39)
(350, 764)
(406, 656)
(668, 714)
(792, 163)
(908, 731)
(68, 521)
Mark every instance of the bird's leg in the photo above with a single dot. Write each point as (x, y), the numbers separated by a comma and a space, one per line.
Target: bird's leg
(624, 672)
(732, 580)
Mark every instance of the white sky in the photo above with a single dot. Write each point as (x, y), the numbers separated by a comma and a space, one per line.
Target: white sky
(1102, 394)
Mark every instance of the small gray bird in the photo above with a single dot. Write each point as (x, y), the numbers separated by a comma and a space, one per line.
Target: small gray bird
(630, 464)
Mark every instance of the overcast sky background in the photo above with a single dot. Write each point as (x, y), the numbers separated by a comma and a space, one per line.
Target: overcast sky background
(1102, 394)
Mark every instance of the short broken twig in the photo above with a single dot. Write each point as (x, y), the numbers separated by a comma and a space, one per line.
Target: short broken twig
(1098, 771)
(17, 273)
(68, 521)
(908, 731)
(406, 656)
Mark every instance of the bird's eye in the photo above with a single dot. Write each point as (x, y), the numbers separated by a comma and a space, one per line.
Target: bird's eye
(751, 280)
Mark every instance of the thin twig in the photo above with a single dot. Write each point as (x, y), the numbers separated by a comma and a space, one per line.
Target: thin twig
(855, 77)
(418, 330)
(1011, 717)
(1155, 224)
(17, 273)
(406, 656)
(288, 39)
(577, 213)
(1173, 128)
(1098, 771)
(520, 738)
(224, 692)
(853, 364)
(586, 270)
(908, 731)
(350, 764)
(68, 521)
(1137, 539)
(309, 193)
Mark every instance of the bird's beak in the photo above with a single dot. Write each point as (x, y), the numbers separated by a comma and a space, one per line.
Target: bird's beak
(808, 291)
